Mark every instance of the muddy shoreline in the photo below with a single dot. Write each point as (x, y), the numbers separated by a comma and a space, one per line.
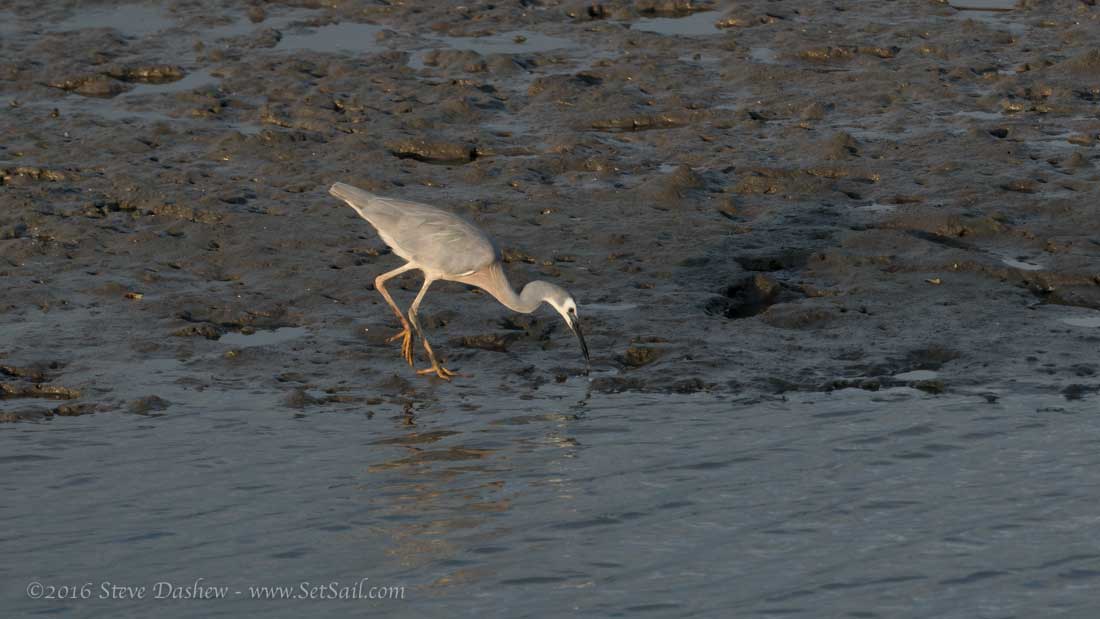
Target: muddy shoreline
(751, 198)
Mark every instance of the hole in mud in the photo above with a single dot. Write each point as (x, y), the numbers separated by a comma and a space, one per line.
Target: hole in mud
(1021, 264)
(791, 259)
(750, 296)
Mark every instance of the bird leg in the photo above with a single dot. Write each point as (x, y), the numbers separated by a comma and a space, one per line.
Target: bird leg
(436, 368)
(439, 370)
(406, 333)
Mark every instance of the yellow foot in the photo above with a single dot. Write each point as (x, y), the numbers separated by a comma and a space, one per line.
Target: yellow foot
(439, 371)
(406, 345)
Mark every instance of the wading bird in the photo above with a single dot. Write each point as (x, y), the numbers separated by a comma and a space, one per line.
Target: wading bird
(445, 246)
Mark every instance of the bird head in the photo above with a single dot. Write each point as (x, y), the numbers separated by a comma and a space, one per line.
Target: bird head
(563, 302)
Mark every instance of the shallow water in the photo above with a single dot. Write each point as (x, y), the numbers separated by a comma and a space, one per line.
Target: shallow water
(135, 20)
(514, 42)
(692, 25)
(267, 337)
(820, 505)
(341, 37)
(984, 5)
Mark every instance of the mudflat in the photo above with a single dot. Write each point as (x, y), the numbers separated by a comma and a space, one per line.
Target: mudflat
(759, 206)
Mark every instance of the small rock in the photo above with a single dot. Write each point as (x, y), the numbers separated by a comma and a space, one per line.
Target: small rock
(934, 386)
(143, 406)
(637, 356)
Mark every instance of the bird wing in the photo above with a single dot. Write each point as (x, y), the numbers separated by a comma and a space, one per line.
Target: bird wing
(434, 239)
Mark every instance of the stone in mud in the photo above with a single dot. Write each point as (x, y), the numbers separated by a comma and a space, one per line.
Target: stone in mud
(92, 86)
(300, 399)
(668, 120)
(1023, 185)
(37, 390)
(1072, 295)
(34, 375)
(25, 414)
(840, 146)
(798, 316)
(15, 176)
(210, 332)
(813, 111)
(933, 386)
(75, 409)
(638, 356)
(616, 384)
(768, 181)
(455, 59)
(846, 52)
(147, 404)
(433, 152)
(689, 385)
(1085, 65)
(669, 189)
(562, 87)
(931, 358)
(669, 8)
(150, 74)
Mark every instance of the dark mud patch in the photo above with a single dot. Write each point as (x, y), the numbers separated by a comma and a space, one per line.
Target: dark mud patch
(33, 413)
(769, 260)
(807, 314)
(750, 296)
(493, 342)
(39, 373)
(440, 153)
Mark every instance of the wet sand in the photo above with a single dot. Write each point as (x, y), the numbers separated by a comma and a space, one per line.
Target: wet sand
(756, 202)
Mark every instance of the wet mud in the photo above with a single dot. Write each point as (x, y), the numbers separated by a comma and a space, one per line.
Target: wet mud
(744, 197)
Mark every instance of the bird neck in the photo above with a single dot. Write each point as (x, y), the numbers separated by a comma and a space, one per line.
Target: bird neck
(527, 301)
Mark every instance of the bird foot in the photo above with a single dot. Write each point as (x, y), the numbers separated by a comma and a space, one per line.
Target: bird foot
(439, 371)
(406, 345)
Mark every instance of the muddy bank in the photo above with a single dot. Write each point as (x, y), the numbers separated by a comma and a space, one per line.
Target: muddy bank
(744, 197)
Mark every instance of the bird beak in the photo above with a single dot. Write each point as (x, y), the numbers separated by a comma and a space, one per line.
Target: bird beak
(575, 325)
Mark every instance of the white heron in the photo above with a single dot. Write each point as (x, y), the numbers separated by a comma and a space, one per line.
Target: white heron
(445, 246)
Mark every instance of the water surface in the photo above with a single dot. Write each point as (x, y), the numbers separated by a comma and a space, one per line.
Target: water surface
(845, 504)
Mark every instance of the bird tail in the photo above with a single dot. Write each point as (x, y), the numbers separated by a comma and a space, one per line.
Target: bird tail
(351, 195)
